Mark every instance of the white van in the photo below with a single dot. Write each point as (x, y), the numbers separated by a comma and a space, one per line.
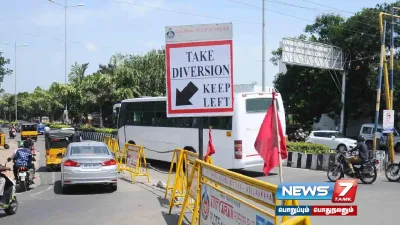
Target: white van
(367, 130)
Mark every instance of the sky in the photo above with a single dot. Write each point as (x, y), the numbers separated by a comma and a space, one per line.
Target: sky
(102, 28)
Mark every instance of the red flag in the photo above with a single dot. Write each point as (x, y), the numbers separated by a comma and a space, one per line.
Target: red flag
(210, 147)
(266, 142)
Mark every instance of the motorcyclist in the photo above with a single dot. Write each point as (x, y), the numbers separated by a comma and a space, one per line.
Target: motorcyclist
(12, 130)
(2, 185)
(362, 153)
(22, 158)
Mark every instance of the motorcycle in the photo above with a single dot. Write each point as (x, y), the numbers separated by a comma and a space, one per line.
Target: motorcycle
(366, 172)
(392, 172)
(13, 133)
(10, 193)
(26, 175)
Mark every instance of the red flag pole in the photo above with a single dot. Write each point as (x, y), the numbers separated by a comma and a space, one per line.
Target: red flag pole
(278, 139)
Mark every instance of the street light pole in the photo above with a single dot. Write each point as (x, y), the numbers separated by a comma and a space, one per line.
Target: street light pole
(66, 6)
(263, 46)
(65, 50)
(15, 46)
(15, 81)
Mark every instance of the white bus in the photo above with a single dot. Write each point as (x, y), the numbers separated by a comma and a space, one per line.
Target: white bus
(144, 121)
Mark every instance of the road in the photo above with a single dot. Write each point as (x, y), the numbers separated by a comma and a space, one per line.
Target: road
(140, 203)
(143, 203)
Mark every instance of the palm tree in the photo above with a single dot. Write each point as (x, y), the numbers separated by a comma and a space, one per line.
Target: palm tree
(98, 89)
(77, 73)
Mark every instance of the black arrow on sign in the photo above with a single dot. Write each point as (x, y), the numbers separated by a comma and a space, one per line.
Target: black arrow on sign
(183, 97)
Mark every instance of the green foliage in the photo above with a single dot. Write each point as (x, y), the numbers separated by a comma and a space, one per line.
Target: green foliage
(307, 148)
(99, 130)
(358, 36)
(4, 71)
(58, 125)
(85, 128)
(125, 76)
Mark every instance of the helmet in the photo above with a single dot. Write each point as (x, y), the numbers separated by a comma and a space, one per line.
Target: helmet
(26, 144)
(360, 138)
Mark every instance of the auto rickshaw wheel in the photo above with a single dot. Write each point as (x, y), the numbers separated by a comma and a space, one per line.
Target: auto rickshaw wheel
(6, 146)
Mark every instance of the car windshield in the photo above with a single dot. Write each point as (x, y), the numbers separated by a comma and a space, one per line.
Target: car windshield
(89, 150)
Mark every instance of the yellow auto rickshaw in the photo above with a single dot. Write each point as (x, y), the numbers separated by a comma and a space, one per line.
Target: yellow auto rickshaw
(56, 142)
(29, 130)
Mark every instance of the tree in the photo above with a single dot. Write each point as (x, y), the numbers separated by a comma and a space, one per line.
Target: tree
(77, 73)
(98, 89)
(358, 36)
(4, 71)
(125, 76)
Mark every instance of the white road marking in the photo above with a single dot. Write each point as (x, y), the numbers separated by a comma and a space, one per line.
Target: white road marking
(40, 192)
(53, 178)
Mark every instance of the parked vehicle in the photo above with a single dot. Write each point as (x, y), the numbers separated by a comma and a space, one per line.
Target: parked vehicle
(366, 172)
(298, 136)
(88, 163)
(333, 139)
(10, 193)
(367, 131)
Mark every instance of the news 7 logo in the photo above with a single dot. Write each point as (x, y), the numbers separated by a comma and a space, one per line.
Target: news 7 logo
(345, 191)
(342, 191)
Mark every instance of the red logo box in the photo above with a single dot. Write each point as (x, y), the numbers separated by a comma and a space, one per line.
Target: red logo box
(334, 210)
(345, 191)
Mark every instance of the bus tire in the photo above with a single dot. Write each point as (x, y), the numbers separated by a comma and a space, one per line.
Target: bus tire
(189, 149)
(131, 142)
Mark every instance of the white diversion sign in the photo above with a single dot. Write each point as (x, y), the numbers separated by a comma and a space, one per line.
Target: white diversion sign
(200, 74)
(218, 208)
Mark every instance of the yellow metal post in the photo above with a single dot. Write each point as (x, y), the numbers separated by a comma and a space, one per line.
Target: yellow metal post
(388, 106)
(378, 89)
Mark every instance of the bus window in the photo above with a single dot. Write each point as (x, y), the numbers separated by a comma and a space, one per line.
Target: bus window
(221, 123)
(137, 117)
(257, 105)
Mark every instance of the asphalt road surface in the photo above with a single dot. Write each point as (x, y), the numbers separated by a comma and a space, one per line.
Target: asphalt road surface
(140, 203)
(143, 203)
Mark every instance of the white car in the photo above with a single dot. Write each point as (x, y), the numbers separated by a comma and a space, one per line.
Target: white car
(333, 139)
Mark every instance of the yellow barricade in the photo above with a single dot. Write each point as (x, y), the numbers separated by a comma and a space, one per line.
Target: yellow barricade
(106, 141)
(184, 161)
(179, 175)
(133, 160)
(298, 220)
(235, 199)
(179, 188)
